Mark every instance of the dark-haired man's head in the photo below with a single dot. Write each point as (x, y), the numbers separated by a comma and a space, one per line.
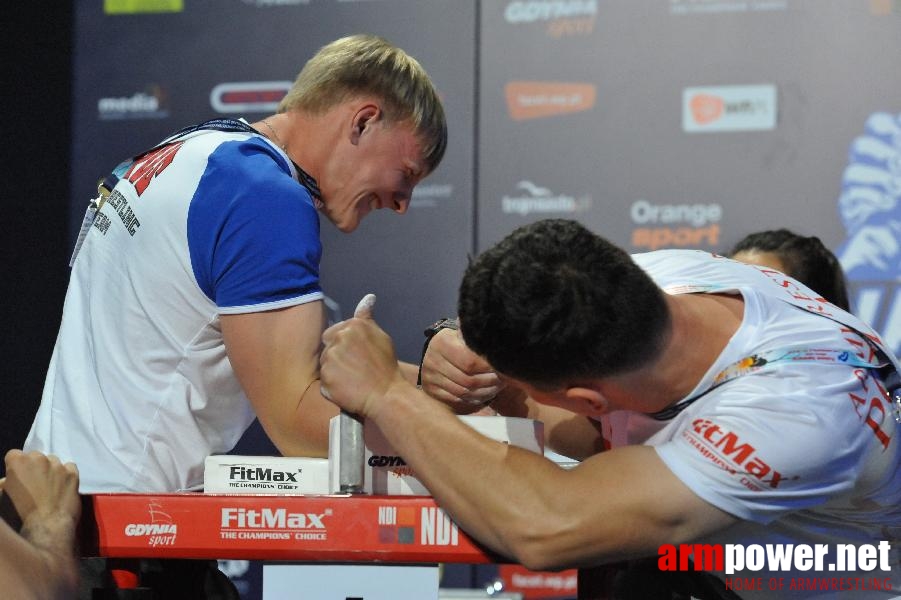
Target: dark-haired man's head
(553, 303)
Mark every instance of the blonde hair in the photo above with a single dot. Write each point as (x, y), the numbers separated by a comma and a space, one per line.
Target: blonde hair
(368, 64)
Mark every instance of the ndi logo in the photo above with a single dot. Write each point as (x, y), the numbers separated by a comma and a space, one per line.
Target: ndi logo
(437, 528)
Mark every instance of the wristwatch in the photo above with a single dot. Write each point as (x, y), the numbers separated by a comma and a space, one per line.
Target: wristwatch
(429, 333)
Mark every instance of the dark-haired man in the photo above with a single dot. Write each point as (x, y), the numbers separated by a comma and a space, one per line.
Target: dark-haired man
(739, 408)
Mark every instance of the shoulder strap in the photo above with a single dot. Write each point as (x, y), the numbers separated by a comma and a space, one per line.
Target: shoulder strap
(227, 125)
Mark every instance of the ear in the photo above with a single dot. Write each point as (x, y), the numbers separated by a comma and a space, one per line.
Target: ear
(593, 401)
(364, 116)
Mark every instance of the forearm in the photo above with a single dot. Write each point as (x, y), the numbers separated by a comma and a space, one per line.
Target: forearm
(40, 563)
(301, 427)
(306, 433)
(476, 482)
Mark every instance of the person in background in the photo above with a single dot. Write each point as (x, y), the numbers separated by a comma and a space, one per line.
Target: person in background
(40, 499)
(194, 303)
(802, 257)
(704, 397)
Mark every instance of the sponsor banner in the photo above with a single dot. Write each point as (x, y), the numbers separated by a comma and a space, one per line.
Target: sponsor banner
(684, 225)
(729, 108)
(247, 527)
(883, 8)
(559, 17)
(430, 195)
(539, 585)
(870, 208)
(131, 7)
(152, 103)
(248, 96)
(708, 7)
(822, 565)
(537, 99)
(534, 199)
(270, 3)
(879, 303)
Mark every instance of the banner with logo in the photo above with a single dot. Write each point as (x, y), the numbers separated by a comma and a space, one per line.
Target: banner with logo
(691, 123)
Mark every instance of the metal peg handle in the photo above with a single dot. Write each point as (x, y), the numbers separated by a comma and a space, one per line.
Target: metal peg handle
(351, 454)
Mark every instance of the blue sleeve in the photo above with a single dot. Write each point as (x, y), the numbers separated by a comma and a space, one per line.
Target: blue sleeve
(253, 231)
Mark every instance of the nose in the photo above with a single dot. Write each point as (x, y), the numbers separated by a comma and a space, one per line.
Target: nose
(400, 205)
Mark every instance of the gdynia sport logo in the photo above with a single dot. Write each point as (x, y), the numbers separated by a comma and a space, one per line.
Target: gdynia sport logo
(806, 567)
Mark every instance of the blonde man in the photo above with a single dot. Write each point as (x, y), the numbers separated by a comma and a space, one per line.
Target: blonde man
(194, 302)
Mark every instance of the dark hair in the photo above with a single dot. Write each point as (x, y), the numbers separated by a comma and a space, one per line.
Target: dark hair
(805, 258)
(554, 303)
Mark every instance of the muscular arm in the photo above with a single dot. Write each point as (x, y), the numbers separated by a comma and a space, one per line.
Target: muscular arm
(619, 504)
(275, 355)
(616, 505)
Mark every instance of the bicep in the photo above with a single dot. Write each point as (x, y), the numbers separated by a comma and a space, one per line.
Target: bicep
(275, 355)
(626, 503)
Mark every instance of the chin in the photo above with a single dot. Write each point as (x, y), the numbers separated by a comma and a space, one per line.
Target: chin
(347, 227)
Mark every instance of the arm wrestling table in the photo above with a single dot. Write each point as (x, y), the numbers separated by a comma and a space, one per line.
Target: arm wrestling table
(334, 528)
(330, 529)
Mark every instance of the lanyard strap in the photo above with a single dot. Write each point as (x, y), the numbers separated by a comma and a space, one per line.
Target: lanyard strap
(105, 186)
(771, 358)
(767, 360)
(227, 125)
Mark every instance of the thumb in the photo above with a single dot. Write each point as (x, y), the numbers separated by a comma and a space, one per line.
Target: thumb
(364, 308)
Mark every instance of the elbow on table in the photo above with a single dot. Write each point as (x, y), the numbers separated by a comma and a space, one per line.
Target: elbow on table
(550, 546)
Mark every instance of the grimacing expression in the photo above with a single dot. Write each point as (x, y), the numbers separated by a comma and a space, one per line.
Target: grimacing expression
(380, 171)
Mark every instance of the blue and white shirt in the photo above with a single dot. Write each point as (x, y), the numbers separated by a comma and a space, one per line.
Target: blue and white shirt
(139, 389)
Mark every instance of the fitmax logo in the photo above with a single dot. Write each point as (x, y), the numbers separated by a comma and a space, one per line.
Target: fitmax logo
(269, 518)
(261, 474)
(742, 455)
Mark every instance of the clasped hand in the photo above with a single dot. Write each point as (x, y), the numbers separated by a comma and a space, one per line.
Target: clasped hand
(358, 364)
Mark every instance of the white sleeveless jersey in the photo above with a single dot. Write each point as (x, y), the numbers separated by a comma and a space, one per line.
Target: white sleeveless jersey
(139, 389)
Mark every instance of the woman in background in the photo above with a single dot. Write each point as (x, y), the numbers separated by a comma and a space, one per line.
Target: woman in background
(804, 258)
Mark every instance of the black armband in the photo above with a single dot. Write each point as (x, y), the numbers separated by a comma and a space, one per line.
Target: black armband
(429, 333)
